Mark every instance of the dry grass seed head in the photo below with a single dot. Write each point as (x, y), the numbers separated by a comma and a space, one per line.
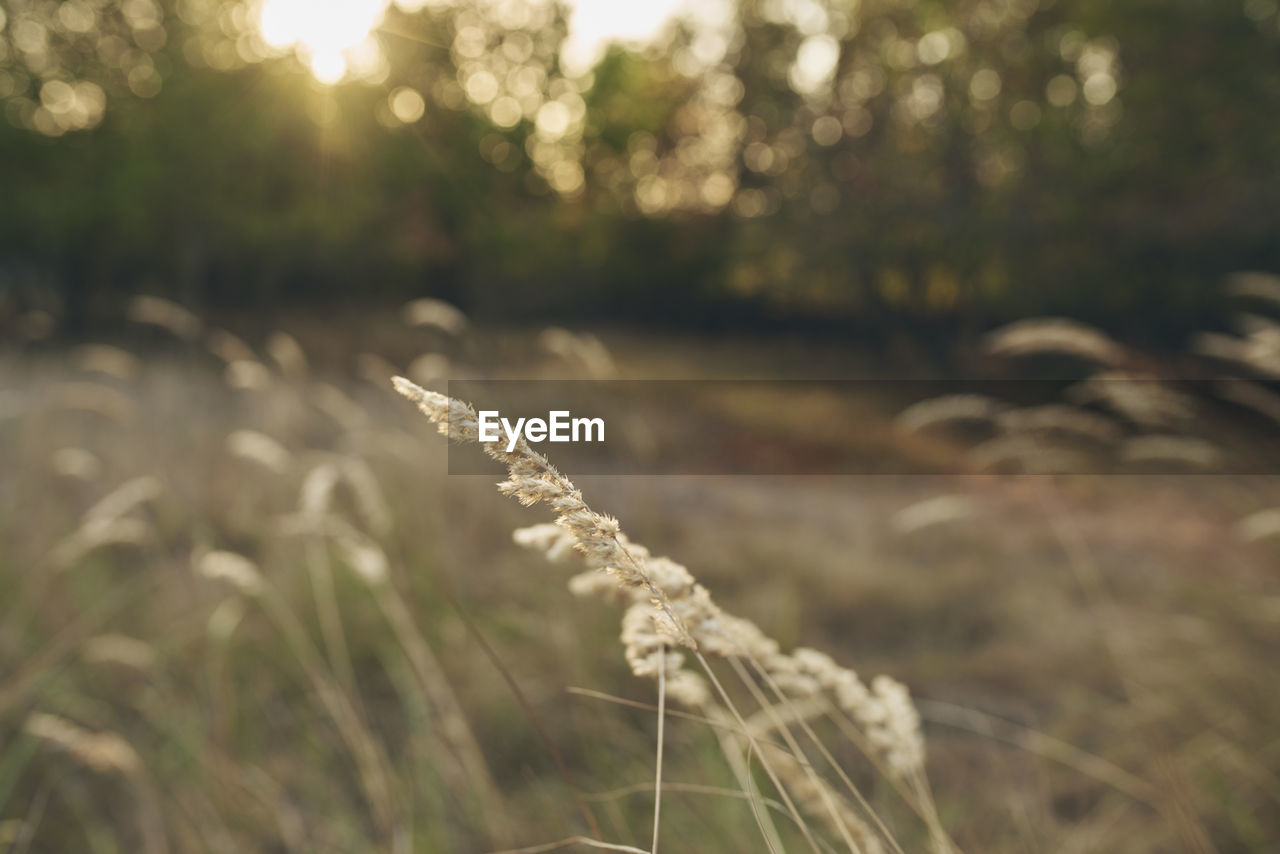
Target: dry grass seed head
(1057, 336)
(1195, 453)
(101, 751)
(167, 315)
(261, 449)
(1143, 400)
(931, 512)
(119, 649)
(76, 463)
(111, 403)
(124, 499)
(947, 409)
(235, 569)
(436, 313)
(288, 355)
(1059, 419)
(1255, 285)
(247, 375)
(107, 360)
(430, 368)
(229, 347)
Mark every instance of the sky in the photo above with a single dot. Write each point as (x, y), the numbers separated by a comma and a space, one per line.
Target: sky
(327, 33)
(595, 23)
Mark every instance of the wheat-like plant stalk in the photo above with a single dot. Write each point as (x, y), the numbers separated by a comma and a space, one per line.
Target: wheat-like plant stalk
(374, 769)
(107, 753)
(668, 608)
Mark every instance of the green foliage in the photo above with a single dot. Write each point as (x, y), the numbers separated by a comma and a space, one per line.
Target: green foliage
(961, 163)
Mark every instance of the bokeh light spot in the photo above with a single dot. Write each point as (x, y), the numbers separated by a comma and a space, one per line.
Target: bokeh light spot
(985, 84)
(1099, 88)
(323, 34)
(815, 63)
(827, 130)
(406, 104)
(1061, 90)
(505, 112)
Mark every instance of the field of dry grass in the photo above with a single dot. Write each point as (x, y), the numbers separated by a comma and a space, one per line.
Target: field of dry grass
(245, 609)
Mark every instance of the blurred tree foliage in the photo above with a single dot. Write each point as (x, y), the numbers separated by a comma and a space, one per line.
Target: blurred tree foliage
(854, 164)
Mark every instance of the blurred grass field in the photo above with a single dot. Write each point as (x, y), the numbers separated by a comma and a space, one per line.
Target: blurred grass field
(1094, 656)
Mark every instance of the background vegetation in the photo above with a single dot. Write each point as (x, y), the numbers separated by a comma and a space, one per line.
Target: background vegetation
(858, 164)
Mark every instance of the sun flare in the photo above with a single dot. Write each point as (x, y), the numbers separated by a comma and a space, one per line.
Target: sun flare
(331, 36)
